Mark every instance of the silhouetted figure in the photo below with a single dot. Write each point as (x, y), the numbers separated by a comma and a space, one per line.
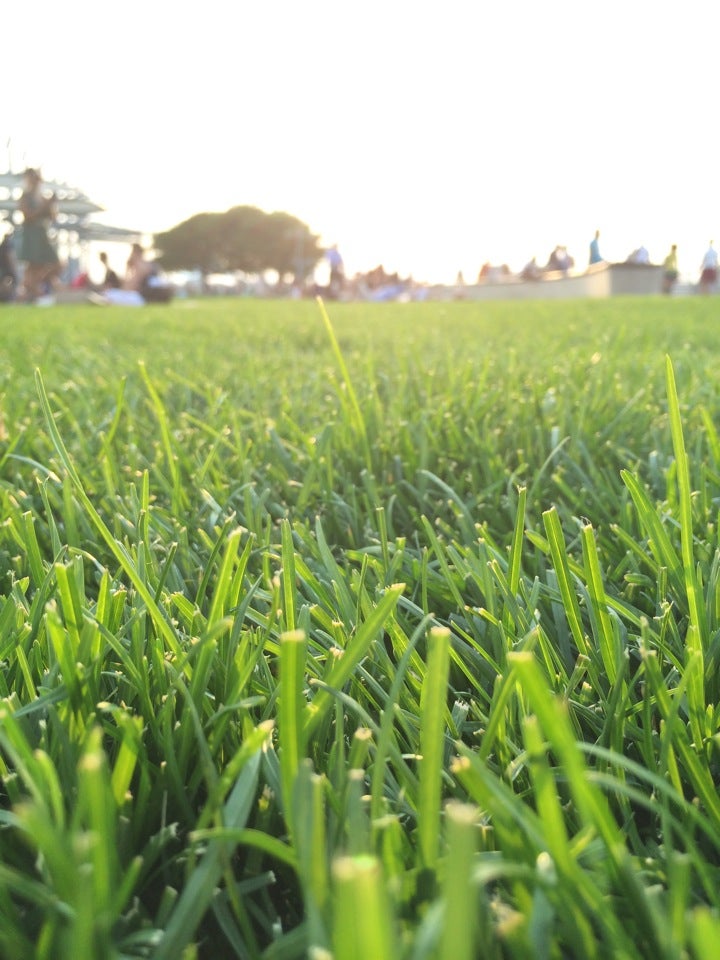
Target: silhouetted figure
(111, 281)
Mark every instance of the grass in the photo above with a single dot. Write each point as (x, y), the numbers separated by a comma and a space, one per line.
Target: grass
(393, 633)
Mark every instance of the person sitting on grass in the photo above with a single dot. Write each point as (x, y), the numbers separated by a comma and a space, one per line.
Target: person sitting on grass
(127, 294)
(138, 270)
(111, 281)
(143, 277)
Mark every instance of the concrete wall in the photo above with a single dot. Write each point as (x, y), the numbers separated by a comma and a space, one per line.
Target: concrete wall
(600, 280)
(635, 278)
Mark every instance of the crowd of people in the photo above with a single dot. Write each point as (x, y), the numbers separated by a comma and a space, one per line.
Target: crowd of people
(560, 261)
(31, 274)
(141, 284)
(377, 283)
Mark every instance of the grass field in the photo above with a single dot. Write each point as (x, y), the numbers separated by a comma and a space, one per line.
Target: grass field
(393, 635)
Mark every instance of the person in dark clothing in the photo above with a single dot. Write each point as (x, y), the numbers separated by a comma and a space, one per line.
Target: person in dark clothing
(42, 266)
(111, 281)
(8, 270)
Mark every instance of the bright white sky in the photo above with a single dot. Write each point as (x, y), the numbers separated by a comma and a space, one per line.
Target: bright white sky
(428, 136)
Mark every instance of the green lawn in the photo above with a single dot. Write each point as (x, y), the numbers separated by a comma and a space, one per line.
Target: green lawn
(391, 636)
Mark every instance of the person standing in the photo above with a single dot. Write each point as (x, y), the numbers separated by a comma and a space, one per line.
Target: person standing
(709, 270)
(595, 249)
(670, 270)
(337, 271)
(8, 270)
(42, 265)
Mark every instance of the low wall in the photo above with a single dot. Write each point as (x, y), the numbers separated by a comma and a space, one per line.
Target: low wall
(635, 278)
(600, 280)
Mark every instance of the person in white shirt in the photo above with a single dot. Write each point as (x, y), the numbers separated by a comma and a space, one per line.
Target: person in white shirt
(708, 270)
(640, 255)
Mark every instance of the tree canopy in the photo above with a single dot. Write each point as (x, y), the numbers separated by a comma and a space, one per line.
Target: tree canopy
(243, 238)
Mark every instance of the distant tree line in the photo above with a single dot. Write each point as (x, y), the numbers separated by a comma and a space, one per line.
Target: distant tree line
(243, 238)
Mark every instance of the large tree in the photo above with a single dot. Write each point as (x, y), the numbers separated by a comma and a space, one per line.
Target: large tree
(191, 245)
(243, 238)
